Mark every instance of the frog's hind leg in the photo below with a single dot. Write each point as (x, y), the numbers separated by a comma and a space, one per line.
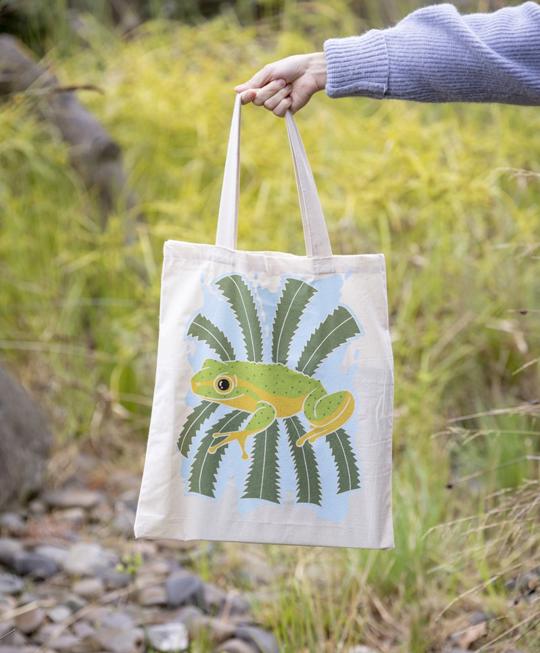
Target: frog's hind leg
(260, 420)
(326, 415)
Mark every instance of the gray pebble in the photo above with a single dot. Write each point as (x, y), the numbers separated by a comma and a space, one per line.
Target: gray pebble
(59, 613)
(10, 584)
(153, 595)
(262, 639)
(72, 498)
(120, 640)
(236, 646)
(56, 553)
(12, 523)
(34, 565)
(85, 559)
(8, 550)
(171, 637)
(28, 622)
(89, 588)
(114, 579)
(184, 587)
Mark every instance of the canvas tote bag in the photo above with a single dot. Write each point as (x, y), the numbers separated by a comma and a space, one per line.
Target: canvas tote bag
(272, 410)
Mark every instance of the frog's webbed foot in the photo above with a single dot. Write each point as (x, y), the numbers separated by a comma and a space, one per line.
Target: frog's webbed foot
(240, 436)
(259, 421)
(333, 420)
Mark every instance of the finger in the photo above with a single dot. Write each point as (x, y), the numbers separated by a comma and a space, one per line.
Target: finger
(248, 96)
(260, 78)
(273, 101)
(282, 107)
(267, 91)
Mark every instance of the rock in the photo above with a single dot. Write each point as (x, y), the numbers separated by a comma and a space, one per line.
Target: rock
(464, 638)
(89, 588)
(214, 597)
(12, 523)
(56, 553)
(8, 634)
(264, 641)
(114, 579)
(25, 442)
(120, 640)
(115, 631)
(8, 550)
(87, 559)
(69, 643)
(73, 498)
(24, 649)
(168, 637)
(361, 649)
(184, 587)
(37, 507)
(124, 521)
(83, 629)
(153, 595)
(236, 646)
(74, 602)
(35, 565)
(189, 615)
(75, 517)
(28, 622)
(10, 584)
(219, 630)
(59, 613)
(236, 605)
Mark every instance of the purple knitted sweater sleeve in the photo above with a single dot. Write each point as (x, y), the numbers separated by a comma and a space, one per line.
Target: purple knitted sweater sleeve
(437, 55)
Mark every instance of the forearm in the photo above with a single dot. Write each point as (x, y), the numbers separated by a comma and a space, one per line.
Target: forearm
(437, 55)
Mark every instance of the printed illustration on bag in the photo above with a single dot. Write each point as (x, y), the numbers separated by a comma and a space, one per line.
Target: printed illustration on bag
(262, 395)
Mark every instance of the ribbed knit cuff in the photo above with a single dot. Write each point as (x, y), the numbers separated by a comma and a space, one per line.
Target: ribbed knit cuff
(357, 65)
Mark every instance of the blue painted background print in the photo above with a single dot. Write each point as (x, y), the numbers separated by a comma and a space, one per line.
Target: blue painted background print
(271, 406)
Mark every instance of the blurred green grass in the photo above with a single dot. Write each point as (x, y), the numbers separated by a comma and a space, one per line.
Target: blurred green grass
(443, 191)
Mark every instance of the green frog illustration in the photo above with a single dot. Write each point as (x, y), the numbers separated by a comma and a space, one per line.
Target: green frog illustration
(268, 391)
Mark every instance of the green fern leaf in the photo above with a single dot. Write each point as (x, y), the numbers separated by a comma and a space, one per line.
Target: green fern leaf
(193, 423)
(202, 478)
(344, 458)
(263, 476)
(294, 298)
(308, 484)
(337, 328)
(203, 329)
(241, 300)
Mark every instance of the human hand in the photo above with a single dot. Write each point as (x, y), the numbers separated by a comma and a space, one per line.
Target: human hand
(286, 84)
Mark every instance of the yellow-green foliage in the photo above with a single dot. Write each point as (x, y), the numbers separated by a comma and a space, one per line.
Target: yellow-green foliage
(441, 190)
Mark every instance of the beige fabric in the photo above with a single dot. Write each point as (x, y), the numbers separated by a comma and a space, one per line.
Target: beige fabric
(315, 321)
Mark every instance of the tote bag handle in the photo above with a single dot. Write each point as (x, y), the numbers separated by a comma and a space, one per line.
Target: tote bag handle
(315, 231)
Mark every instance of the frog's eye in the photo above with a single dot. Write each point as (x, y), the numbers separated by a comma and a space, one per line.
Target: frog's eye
(223, 384)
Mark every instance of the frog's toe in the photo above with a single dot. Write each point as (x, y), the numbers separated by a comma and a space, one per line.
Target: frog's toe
(212, 449)
(301, 441)
(218, 435)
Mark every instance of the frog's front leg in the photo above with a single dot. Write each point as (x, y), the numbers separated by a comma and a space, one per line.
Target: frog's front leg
(261, 419)
(326, 413)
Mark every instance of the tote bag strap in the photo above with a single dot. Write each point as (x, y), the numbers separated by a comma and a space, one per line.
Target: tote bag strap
(315, 231)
